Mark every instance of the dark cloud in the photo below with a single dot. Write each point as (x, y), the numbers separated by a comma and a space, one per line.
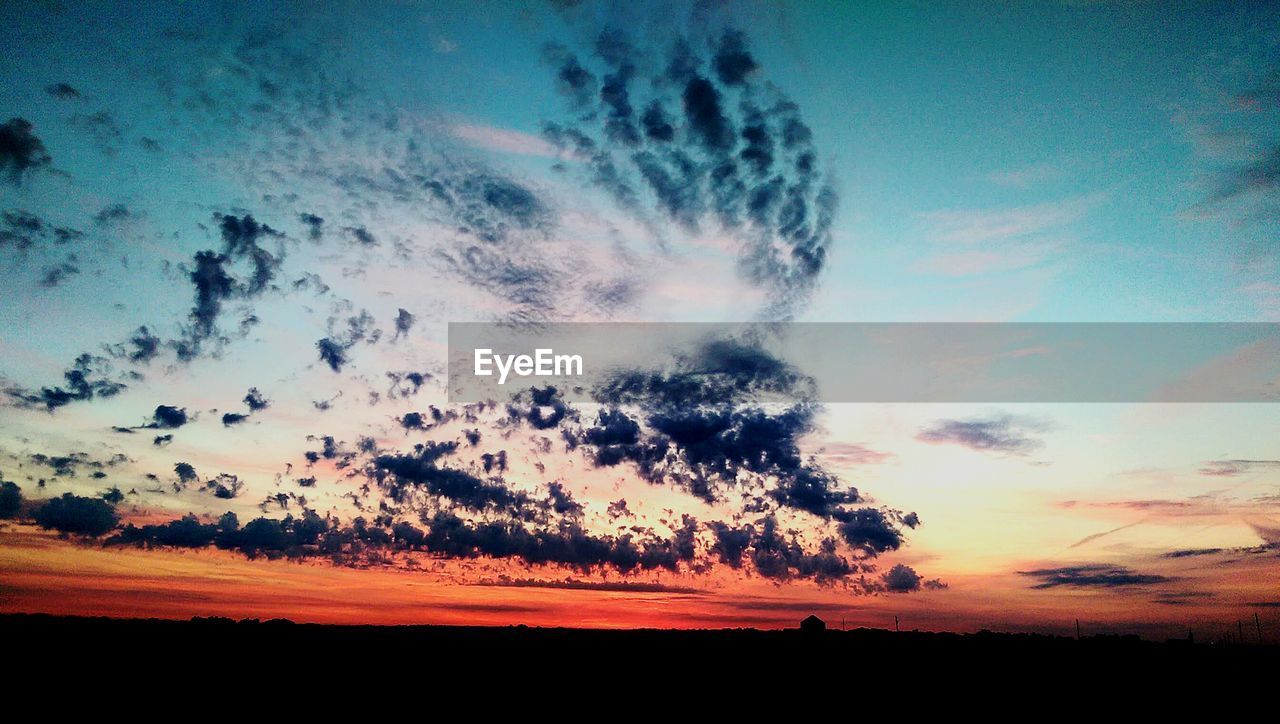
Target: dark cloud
(167, 417)
(332, 353)
(101, 128)
(580, 585)
(214, 276)
(87, 379)
(233, 418)
(114, 214)
(361, 235)
(403, 475)
(732, 61)
(77, 515)
(904, 579)
(1192, 552)
(21, 151)
(404, 322)
(255, 400)
(58, 273)
(1002, 433)
(314, 224)
(406, 384)
(141, 348)
(344, 335)
(10, 500)
(714, 147)
(186, 472)
(1092, 576)
(62, 90)
(21, 229)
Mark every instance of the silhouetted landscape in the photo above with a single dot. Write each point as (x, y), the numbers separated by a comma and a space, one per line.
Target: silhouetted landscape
(201, 640)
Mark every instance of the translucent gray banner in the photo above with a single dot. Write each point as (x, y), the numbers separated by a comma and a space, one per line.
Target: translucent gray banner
(867, 362)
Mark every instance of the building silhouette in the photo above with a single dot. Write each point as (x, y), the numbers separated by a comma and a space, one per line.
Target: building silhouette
(813, 624)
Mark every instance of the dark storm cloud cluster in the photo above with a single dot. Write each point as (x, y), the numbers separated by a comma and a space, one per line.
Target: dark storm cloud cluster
(1000, 433)
(444, 534)
(695, 138)
(700, 427)
(21, 150)
(1092, 576)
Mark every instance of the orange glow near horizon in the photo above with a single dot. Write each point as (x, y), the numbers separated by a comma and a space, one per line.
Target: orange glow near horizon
(45, 573)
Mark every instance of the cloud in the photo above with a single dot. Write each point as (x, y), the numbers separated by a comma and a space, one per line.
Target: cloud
(21, 230)
(572, 584)
(21, 151)
(87, 379)
(314, 224)
(345, 333)
(904, 579)
(62, 91)
(141, 347)
(1091, 538)
(714, 147)
(255, 400)
(77, 515)
(849, 454)
(10, 500)
(214, 282)
(404, 322)
(1092, 576)
(1234, 468)
(168, 417)
(55, 275)
(504, 140)
(113, 214)
(1001, 433)
(1261, 175)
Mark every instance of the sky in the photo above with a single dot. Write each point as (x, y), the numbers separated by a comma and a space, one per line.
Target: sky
(232, 237)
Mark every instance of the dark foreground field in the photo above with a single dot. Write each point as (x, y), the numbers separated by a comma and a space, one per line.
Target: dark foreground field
(287, 646)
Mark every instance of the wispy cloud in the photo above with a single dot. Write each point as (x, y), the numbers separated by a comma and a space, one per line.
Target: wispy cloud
(1233, 468)
(503, 140)
(972, 242)
(1092, 576)
(1001, 433)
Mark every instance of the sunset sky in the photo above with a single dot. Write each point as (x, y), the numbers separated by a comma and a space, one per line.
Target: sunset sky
(232, 236)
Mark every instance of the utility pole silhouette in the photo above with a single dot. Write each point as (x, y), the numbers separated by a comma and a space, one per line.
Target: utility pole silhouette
(895, 625)
(1077, 629)
(1258, 623)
